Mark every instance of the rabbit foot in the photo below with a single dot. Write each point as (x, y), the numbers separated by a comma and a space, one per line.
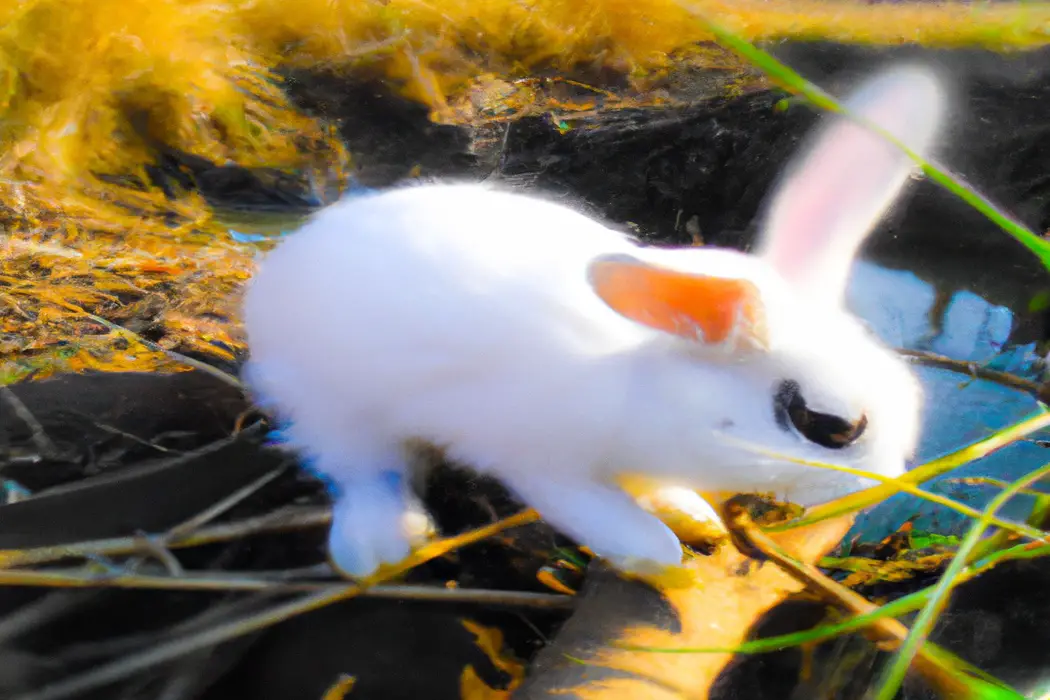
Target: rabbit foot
(604, 519)
(657, 575)
(369, 524)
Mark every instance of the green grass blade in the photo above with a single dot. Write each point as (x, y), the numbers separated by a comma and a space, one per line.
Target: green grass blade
(818, 97)
(902, 606)
(896, 483)
(897, 608)
(932, 469)
(894, 674)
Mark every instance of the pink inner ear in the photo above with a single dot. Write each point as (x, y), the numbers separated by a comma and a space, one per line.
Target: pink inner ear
(824, 211)
(712, 310)
(835, 194)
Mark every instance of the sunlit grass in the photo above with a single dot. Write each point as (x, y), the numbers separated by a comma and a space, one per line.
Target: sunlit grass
(96, 87)
(94, 93)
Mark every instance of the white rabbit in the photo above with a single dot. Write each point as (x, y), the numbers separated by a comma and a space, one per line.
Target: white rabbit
(536, 344)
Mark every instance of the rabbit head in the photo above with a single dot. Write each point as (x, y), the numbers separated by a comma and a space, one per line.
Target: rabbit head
(786, 374)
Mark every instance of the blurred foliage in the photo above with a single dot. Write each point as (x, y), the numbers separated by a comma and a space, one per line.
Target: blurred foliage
(92, 95)
(110, 108)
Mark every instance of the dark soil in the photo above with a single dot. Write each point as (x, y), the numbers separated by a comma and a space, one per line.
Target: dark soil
(132, 453)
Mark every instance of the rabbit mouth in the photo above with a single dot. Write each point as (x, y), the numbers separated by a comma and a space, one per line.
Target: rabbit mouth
(798, 479)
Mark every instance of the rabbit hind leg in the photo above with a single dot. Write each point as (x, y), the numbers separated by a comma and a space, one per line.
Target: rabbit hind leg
(369, 511)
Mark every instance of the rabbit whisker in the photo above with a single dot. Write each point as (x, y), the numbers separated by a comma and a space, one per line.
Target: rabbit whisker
(900, 485)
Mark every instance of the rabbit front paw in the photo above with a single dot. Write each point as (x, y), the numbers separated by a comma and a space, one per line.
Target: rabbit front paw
(368, 525)
(604, 519)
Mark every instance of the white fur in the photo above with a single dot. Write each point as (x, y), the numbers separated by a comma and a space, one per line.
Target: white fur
(462, 315)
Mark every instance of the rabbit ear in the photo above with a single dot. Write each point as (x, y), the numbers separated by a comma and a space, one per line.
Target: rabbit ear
(711, 310)
(845, 179)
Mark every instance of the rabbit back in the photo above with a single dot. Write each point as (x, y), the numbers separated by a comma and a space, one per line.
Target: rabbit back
(457, 314)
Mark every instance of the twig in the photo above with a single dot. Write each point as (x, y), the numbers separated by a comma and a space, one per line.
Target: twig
(292, 518)
(190, 581)
(176, 648)
(79, 652)
(182, 683)
(321, 571)
(134, 438)
(157, 546)
(481, 596)
(933, 665)
(187, 528)
(177, 356)
(39, 613)
(974, 370)
(43, 443)
(234, 581)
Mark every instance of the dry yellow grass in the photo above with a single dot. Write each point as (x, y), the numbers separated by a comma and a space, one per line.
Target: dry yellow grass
(434, 49)
(91, 91)
(92, 87)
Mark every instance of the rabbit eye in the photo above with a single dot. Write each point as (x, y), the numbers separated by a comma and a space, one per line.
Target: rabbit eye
(822, 429)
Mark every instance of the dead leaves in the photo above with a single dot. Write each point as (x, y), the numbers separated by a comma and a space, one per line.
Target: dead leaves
(717, 611)
(341, 688)
(902, 555)
(490, 641)
(75, 302)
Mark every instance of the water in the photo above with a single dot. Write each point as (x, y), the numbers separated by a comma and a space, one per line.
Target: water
(958, 410)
